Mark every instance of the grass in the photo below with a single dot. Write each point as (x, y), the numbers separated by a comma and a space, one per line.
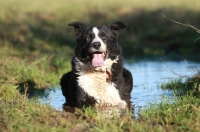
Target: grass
(180, 87)
(18, 113)
(182, 115)
(41, 71)
(37, 45)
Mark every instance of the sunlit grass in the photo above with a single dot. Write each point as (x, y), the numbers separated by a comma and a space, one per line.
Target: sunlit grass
(62, 6)
(18, 113)
(181, 115)
(43, 71)
(113, 8)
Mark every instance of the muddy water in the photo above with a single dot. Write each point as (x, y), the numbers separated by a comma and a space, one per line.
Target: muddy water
(148, 77)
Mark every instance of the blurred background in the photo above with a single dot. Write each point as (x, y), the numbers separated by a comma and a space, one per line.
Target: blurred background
(32, 29)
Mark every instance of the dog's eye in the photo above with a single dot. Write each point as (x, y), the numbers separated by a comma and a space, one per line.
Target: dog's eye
(88, 39)
(104, 37)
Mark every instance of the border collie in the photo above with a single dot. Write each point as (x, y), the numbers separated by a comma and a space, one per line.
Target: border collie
(97, 77)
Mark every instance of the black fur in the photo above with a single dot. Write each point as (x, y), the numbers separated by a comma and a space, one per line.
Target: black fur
(74, 94)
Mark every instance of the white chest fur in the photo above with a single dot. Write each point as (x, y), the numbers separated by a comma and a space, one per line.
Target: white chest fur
(94, 84)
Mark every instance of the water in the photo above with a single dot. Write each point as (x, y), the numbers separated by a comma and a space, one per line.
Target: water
(148, 77)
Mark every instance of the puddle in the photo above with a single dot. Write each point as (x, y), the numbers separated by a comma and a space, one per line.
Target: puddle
(148, 77)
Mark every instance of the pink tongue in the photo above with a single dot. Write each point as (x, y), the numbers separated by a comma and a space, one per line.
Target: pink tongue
(97, 60)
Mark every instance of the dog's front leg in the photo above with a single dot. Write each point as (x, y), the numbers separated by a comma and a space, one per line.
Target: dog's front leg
(83, 99)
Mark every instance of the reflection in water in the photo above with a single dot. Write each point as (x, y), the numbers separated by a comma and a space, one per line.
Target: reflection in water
(147, 77)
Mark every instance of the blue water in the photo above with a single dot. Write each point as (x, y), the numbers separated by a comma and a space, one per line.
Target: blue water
(147, 77)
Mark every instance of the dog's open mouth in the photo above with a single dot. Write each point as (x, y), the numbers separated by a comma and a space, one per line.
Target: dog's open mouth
(98, 58)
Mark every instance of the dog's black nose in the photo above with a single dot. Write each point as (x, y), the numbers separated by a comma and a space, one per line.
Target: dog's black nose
(96, 45)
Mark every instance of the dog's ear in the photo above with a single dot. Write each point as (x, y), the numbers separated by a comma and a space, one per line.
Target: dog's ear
(78, 26)
(117, 26)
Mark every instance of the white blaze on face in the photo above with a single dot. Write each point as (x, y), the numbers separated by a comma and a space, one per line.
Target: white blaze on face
(95, 30)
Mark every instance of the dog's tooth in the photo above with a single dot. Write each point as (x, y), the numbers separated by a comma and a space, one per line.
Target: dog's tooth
(103, 54)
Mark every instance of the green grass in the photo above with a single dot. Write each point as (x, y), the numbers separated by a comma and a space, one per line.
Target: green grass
(182, 115)
(37, 45)
(21, 114)
(18, 113)
(41, 71)
(191, 86)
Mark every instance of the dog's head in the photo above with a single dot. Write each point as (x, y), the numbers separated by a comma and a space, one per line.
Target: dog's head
(95, 44)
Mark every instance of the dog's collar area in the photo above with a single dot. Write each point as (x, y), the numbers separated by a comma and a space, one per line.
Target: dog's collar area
(109, 77)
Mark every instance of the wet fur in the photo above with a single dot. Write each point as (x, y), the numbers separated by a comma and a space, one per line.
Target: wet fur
(86, 86)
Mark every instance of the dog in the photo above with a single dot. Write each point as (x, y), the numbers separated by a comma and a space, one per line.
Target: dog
(98, 77)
